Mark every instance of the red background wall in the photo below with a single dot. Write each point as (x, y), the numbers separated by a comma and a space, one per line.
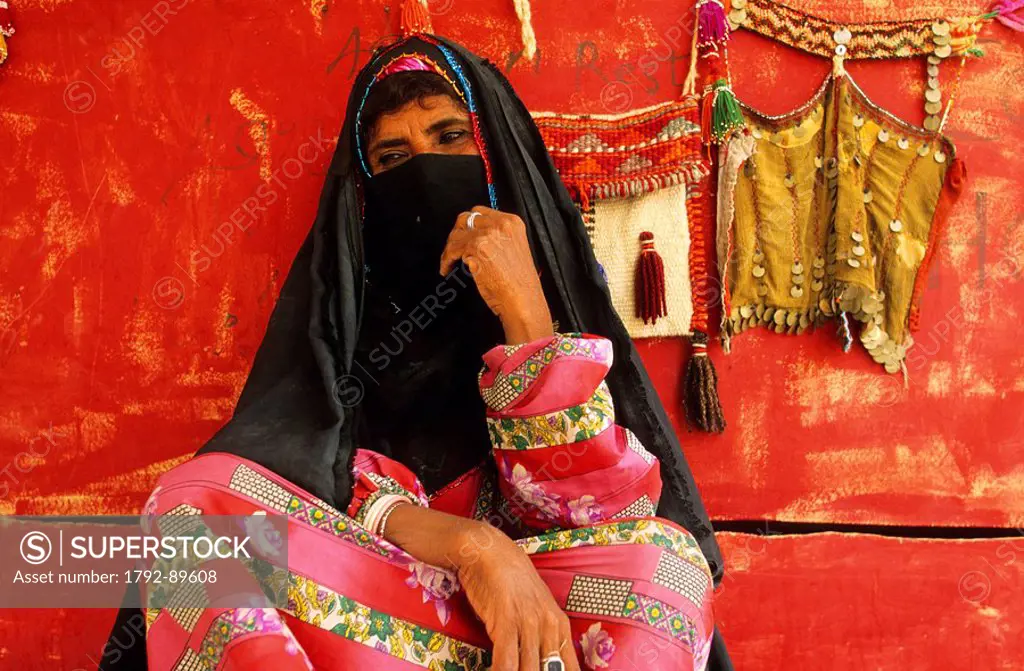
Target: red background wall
(131, 306)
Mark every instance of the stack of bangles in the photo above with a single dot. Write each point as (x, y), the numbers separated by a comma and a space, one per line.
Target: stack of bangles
(377, 516)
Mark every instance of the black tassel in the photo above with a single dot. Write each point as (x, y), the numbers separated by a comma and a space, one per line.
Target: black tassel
(703, 408)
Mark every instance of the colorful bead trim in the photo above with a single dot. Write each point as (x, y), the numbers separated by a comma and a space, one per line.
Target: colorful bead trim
(455, 65)
(238, 623)
(341, 526)
(660, 615)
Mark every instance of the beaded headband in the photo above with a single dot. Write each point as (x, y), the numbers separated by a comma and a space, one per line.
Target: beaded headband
(405, 64)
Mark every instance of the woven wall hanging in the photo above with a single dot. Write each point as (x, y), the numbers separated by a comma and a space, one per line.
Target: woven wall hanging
(834, 210)
(644, 191)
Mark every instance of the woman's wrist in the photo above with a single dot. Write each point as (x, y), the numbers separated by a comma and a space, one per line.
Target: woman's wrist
(528, 322)
(390, 508)
(471, 543)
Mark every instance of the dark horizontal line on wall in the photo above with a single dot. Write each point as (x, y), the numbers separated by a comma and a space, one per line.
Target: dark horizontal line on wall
(774, 528)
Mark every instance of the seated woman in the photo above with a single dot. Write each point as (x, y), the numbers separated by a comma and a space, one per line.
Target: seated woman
(441, 516)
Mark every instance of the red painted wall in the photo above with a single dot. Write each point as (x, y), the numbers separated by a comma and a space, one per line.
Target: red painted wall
(135, 290)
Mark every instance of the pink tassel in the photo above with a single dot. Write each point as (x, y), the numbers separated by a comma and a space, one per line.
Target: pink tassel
(1005, 14)
(712, 27)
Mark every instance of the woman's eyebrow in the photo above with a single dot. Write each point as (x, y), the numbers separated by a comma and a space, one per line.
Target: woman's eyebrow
(390, 143)
(447, 122)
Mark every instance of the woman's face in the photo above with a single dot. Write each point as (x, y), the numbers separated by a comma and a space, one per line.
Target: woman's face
(431, 125)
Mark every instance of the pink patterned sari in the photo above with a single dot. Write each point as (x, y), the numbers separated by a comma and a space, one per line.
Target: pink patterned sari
(578, 490)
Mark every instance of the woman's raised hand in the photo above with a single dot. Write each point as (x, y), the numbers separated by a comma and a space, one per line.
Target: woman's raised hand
(496, 251)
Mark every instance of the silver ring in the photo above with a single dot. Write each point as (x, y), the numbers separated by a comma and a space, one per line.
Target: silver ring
(469, 220)
(552, 663)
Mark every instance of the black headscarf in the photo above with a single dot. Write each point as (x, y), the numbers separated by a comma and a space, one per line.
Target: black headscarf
(294, 415)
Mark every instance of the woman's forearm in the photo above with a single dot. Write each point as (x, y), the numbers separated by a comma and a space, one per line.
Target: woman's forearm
(437, 538)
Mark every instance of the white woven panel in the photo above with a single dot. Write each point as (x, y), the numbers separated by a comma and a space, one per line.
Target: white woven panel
(616, 238)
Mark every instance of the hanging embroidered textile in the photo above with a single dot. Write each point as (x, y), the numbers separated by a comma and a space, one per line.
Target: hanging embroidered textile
(644, 191)
(835, 209)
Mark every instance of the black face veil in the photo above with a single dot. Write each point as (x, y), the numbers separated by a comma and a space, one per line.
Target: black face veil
(299, 410)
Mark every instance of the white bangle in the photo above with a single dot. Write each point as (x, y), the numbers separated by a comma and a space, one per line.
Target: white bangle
(371, 521)
(382, 526)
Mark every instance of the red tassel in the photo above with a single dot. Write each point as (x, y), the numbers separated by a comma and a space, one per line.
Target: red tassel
(650, 282)
(415, 18)
(706, 112)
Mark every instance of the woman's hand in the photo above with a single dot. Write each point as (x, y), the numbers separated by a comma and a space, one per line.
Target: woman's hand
(522, 619)
(496, 252)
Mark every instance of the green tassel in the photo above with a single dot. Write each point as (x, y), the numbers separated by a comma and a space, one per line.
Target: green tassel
(726, 115)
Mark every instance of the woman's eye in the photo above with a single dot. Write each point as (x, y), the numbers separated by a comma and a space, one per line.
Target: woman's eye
(389, 158)
(450, 136)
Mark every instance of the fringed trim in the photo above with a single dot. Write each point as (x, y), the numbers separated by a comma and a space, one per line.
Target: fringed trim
(721, 113)
(415, 18)
(584, 192)
(700, 388)
(688, 174)
(780, 320)
(526, 27)
(857, 304)
(867, 307)
(952, 187)
(847, 304)
(649, 285)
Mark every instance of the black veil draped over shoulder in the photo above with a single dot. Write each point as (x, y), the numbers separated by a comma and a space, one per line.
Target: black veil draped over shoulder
(289, 417)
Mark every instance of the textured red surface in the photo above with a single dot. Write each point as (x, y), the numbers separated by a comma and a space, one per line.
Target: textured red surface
(131, 303)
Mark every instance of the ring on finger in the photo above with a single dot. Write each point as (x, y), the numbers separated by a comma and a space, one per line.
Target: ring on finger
(469, 220)
(552, 662)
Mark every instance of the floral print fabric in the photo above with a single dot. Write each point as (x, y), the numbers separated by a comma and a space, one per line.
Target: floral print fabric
(562, 467)
(627, 585)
